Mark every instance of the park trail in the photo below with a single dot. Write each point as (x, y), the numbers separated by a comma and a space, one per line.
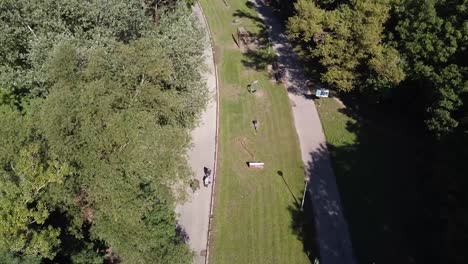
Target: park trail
(332, 235)
(193, 217)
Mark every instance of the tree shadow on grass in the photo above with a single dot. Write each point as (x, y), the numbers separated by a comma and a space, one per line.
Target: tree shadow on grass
(290, 70)
(380, 179)
(259, 59)
(303, 227)
(243, 14)
(258, 53)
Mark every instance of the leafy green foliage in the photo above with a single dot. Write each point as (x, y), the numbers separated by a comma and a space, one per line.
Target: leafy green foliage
(348, 42)
(22, 184)
(451, 85)
(434, 39)
(408, 57)
(372, 46)
(33, 27)
(10, 258)
(93, 148)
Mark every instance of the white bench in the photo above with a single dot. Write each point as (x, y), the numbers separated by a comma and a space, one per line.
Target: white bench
(253, 164)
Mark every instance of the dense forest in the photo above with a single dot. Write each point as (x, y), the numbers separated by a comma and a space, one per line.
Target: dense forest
(407, 57)
(97, 99)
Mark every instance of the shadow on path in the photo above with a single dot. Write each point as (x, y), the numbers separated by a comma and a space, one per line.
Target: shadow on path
(182, 233)
(289, 63)
(332, 230)
(332, 235)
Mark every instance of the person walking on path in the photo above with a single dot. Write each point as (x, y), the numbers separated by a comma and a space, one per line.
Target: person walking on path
(207, 176)
(205, 181)
(194, 214)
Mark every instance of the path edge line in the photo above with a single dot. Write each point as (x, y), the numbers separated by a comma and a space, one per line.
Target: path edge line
(215, 165)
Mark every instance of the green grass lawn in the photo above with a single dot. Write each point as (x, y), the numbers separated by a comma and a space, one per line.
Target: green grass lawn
(254, 209)
(377, 163)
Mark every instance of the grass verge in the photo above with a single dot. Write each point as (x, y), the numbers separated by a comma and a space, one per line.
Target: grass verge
(253, 221)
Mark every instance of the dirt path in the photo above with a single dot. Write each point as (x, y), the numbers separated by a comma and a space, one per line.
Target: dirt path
(331, 228)
(194, 216)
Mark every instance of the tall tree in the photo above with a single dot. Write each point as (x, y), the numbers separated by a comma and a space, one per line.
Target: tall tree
(112, 98)
(23, 213)
(433, 36)
(349, 42)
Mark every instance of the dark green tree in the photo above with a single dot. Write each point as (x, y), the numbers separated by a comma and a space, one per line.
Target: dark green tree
(349, 43)
(23, 227)
(433, 36)
(96, 89)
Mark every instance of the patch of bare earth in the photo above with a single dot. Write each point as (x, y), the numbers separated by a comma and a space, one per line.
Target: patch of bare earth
(260, 94)
(243, 143)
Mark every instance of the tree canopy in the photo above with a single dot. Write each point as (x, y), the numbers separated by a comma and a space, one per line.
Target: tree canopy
(409, 57)
(97, 99)
(373, 47)
(349, 42)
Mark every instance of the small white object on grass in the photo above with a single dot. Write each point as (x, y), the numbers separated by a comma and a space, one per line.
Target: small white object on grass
(253, 164)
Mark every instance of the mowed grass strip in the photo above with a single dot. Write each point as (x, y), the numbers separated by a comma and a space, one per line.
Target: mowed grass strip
(253, 221)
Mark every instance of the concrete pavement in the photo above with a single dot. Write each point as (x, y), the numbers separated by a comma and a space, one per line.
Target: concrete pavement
(331, 228)
(194, 215)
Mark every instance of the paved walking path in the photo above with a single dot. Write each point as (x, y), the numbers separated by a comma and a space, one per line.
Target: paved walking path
(193, 216)
(331, 228)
